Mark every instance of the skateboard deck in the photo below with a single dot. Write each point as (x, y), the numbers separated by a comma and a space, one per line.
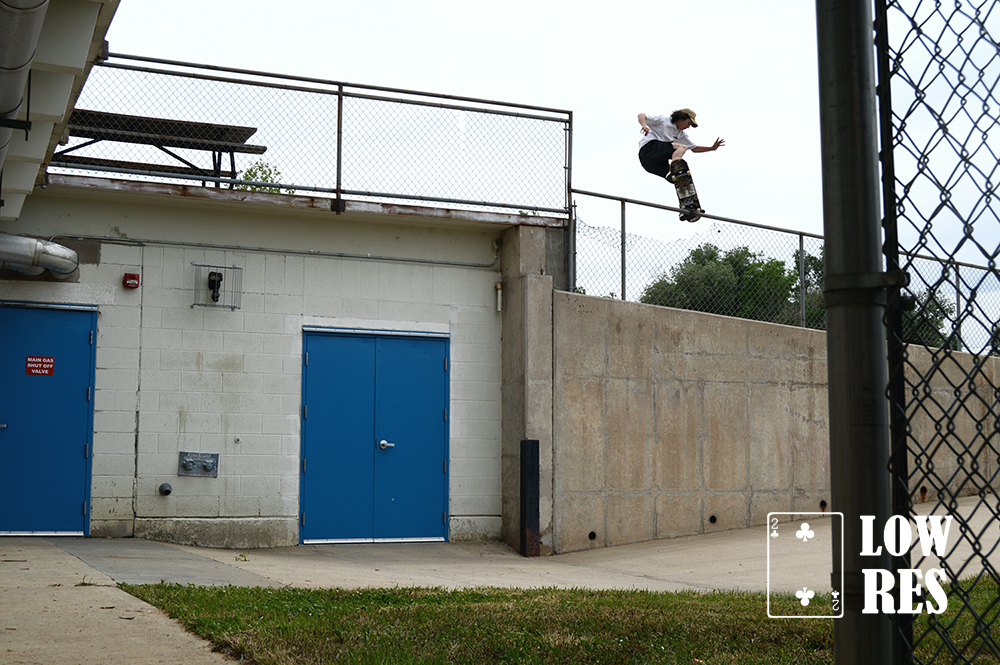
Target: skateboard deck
(687, 195)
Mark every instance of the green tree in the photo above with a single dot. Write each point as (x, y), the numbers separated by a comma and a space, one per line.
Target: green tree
(261, 171)
(747, 285)
(924, 324)
(808, 289)
(737, 283)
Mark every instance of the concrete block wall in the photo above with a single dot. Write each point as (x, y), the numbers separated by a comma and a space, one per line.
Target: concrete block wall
(173, 378)
(215, 380)
(671, 423)
(116, 389)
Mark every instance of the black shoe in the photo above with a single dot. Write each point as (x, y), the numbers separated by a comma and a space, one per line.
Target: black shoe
(678, 168)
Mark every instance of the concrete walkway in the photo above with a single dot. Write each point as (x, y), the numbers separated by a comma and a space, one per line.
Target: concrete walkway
(54, 608)
(59, 602)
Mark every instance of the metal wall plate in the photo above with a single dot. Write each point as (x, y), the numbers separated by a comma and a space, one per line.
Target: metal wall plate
(205, 465)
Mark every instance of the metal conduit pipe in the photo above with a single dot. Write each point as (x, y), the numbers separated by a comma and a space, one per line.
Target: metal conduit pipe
(20, 26)
(33, 257)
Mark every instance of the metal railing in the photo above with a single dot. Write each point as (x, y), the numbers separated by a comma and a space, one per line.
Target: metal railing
(169, 121)
(754, 271)
(733, 268)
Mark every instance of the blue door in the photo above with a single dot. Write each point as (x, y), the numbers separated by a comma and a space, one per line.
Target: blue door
(374, 438)
(47, 359)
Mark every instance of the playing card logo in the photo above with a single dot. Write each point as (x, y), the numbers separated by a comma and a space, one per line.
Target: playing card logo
(805, 533)
(787, 572)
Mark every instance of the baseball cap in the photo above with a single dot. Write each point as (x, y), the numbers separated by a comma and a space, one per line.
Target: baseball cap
(691, 114)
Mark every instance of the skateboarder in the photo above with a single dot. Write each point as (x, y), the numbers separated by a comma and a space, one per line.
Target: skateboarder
(661, 152)
(664, 140)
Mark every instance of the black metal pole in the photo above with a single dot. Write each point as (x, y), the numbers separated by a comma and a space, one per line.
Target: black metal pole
(855, 303)
(530, 496)
(899, 460)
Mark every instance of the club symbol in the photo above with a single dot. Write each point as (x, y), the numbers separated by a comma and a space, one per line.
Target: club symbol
(805, 533)
(774, 534)
(804, 596)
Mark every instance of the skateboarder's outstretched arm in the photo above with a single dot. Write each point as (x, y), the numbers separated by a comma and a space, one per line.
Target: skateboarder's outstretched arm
(715, 146)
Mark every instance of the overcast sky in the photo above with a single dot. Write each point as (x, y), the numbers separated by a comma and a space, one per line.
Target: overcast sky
(748, 69)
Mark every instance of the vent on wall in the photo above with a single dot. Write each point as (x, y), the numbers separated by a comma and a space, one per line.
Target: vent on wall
(217, 286)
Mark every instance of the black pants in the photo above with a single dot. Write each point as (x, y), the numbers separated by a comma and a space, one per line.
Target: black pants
(655, 157)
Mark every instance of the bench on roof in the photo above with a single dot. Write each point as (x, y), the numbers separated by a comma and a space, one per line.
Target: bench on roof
(163, 134)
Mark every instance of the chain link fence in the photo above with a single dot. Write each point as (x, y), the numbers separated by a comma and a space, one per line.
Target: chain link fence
(774, 275)
(164, 121)
(939, 70)
(728, 269)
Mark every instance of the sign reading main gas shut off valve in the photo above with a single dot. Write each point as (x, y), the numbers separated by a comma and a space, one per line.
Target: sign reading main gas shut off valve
(205, 465)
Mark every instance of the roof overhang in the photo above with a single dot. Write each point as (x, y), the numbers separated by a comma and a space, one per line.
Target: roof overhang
(370, 211)
(71, 39)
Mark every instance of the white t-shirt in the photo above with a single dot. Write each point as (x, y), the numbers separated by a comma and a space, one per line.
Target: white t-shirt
(661, 129)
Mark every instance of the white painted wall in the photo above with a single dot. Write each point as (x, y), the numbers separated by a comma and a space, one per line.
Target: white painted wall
(174, 378)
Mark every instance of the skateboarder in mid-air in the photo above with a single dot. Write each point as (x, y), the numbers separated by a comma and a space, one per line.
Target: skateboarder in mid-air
(661, 152)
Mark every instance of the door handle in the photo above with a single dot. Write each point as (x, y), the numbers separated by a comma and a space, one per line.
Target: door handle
(383, 444)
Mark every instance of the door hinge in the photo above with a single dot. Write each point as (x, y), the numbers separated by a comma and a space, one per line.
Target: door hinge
(305, 411)
(446, 466)
(307, 359)
(84, 508)
(302, 519)
(86, 450)
(303, 466)
(446, 415)
(88, 393)
(444, 517)
(446, 364)
(91, 336)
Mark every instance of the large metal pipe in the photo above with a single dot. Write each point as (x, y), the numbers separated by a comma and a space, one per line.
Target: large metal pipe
(33, 257)
(20, 26)
(855, 304)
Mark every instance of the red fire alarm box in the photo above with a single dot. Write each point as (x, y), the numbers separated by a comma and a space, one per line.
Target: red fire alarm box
(131, 280)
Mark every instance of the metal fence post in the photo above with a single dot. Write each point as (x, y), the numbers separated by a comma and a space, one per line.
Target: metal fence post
(958, 307)
(339, 203)
(571, 250)
(856, 349)
(623, 250)
(902, 643)
(802, 280)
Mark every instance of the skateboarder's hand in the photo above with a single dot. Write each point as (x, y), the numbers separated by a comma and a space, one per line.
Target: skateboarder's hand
(645, 130)
(718, 144)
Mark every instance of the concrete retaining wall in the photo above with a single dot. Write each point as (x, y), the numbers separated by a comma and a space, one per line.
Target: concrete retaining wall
(952, 405)
(670, 423)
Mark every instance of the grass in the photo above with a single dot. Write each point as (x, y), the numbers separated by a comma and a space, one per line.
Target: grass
(490, 625)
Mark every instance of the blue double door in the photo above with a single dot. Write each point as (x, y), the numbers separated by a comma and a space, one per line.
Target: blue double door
(374, 438)
(47, 360)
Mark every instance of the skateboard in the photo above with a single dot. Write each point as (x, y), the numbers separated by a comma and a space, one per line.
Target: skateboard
(687, 195)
